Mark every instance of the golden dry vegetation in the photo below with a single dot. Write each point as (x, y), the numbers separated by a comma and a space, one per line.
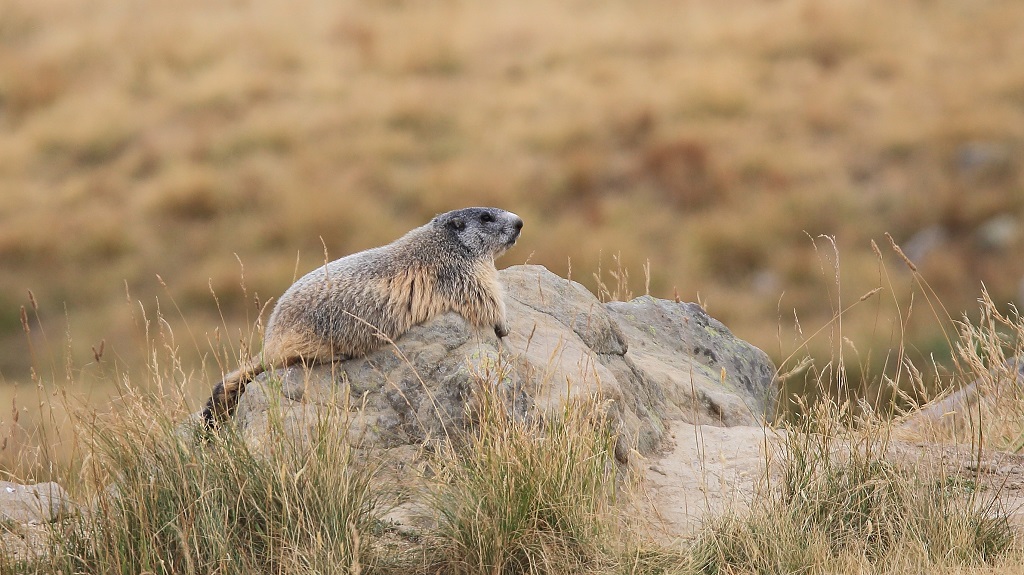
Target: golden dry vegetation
(193, 140)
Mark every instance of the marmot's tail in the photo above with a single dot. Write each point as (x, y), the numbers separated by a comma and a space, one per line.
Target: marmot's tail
(225, 395)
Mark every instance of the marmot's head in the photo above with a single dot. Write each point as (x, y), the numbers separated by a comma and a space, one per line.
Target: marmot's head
(482, 231)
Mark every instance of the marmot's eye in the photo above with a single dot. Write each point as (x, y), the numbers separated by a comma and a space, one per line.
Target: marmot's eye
(486, 217)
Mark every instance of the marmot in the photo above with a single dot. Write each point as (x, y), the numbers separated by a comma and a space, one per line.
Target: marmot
(352, 306)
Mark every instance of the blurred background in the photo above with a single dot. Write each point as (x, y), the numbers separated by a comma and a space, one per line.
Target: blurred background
(166, 168)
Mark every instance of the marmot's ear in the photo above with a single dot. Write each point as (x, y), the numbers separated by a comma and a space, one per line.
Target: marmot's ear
(457, 224)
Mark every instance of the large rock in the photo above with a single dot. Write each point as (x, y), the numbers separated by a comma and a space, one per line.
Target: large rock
(653, 360)
(33, 504)
(708, 374)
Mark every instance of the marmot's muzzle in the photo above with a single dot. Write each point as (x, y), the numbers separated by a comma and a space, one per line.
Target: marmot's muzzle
(517, 225)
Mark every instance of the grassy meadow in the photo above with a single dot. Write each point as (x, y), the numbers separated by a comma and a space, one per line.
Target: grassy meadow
(509, 496)
(168, 168)
(196, 156)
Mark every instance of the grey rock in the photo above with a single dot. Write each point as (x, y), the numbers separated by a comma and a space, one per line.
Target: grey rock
(33, 504)
(651, 360)
(981, 158)
(963, 403)
(925, 242)
(708, 374)
(998, 233)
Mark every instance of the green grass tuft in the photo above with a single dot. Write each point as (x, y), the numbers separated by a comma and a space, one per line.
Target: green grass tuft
(177, 505)
(843, 499)
(529, 496)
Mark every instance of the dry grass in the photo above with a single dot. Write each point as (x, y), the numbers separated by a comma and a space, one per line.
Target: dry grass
(988, 413)
(144, 139)
(841, 504)
(843, 499)
(158, 498)
(511, 495)
(162, 495)
(519, 495)
(709, 141)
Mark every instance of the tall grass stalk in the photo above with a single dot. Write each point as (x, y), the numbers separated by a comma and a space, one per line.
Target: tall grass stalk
(523, 495)
(842, 503)
(519, 492)
(990, 352)
(842, 499)
(168, 502)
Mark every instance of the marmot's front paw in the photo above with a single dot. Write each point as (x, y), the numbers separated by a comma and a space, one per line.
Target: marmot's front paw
(501, 330)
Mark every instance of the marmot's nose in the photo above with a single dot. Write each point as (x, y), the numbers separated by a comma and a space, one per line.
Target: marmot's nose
(518, 223)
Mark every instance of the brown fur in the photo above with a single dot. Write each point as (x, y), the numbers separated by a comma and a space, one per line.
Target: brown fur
(357, 304)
